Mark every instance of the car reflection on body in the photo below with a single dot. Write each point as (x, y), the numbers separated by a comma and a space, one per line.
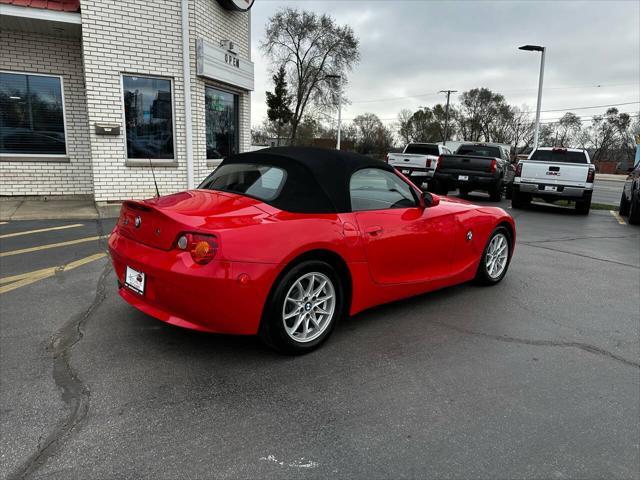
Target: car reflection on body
(283, 242)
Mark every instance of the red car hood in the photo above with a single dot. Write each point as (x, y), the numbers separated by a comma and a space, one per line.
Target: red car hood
(158, 222)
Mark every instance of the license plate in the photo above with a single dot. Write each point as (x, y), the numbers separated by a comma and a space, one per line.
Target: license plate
(463, 177)
(406, 172)
(550, 188)
(134, 280)
(419, 174)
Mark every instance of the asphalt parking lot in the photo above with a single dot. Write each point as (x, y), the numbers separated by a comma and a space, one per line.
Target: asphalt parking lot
(538, 377)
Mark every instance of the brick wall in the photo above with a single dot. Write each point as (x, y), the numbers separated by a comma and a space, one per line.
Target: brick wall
(130, 37)
(34, 53)
(145, 38)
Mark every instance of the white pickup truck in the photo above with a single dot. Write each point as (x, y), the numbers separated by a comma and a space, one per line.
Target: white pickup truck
(555, 174)
(418, 161)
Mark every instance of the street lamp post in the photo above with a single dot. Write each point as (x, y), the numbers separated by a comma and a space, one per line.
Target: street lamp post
(338, 78)
(542, 50)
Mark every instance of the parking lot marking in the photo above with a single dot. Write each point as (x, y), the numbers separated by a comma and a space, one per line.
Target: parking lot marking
(40, 230)
(51, 245)
(31, 277)
(617, 216)
(3, 223)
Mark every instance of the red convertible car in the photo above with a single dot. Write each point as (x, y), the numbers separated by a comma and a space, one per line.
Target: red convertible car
(283, 242)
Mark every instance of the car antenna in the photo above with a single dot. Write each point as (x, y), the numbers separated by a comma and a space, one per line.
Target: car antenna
(154, 179)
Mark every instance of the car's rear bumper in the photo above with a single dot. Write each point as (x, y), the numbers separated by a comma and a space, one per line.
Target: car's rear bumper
(414, 173)
(475, 180)
(201, 297)
(561, 191)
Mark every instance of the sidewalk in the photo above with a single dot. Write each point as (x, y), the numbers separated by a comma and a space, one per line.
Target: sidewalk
(12, 208)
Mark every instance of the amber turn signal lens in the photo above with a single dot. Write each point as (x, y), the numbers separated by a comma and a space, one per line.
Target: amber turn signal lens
(201, 247)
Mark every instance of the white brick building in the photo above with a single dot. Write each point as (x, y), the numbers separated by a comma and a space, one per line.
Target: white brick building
(93, 92)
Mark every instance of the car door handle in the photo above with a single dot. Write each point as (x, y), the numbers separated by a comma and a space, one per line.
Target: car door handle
(373, 231)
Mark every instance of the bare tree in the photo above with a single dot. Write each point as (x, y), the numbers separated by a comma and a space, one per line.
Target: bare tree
(311, 47)
(372, 136)
(405, 131)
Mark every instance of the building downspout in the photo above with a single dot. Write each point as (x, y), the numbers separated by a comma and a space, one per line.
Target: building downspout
(186, 75)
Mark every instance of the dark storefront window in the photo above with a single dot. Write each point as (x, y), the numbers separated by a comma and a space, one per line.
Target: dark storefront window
(221, 109)
(31, 115)
(148, 111)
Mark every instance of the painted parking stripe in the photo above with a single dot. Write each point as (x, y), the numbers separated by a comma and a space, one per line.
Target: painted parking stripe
(40, 230)
(51, 245)
(617, 216)
(3, 223)
(32, 277)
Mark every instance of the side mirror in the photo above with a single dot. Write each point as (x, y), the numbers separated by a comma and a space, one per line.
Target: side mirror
(430, 199)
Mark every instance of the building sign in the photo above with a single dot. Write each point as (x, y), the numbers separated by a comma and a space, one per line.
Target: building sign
(220, 64)
(238, 5)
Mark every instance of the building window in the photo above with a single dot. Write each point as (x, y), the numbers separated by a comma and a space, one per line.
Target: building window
(31, 115)
(148, 112)
(221, 110)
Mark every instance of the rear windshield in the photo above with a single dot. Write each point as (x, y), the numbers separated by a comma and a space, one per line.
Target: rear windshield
(557, 156)
(479, 151)
(259, 181)
(424, 149)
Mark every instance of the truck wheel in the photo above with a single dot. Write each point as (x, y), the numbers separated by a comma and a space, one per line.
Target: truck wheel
(583, 207)
(508, 192)
(464, 191)
(634, 208)
(624, 205)
(519, 199)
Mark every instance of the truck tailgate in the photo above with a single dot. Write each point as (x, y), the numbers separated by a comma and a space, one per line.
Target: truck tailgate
(465, 164)
(411, 160)
(572, 174)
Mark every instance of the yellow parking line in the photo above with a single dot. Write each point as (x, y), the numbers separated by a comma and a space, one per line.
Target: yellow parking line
(617, 216)
(32, 277)
(28, 232)
(51, 245)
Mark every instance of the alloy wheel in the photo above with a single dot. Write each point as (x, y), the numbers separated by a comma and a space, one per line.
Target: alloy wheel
(309, 307)
(497, 255)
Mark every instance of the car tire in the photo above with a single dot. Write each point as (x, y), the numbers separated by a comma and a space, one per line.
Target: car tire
(634, 208)
(298, 291)
(498, 249)
(464, 191)
(624, 205)
(508, 192)
(583, 207)
(519, 200)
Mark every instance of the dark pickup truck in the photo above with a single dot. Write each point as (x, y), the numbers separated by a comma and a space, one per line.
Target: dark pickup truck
(475, 166)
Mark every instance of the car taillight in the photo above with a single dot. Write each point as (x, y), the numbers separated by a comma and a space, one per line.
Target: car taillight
(386, 159)
(494, 166)
(519, 169)
(591, 175)
(429, 163)
(438, 161)
(201, 247)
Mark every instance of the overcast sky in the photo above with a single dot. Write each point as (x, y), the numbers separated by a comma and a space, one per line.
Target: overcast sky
(412, 49)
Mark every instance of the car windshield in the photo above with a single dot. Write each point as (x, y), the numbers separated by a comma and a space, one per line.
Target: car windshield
(422, 149)
(479, 151)
(260, 181)
(559, 156)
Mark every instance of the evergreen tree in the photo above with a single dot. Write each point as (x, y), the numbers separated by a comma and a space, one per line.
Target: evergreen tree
(279, 102)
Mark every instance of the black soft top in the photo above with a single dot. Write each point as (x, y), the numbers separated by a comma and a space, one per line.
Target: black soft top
(317, 179)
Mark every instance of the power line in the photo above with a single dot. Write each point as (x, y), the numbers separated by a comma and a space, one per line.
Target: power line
(585, 108)
(434, 94)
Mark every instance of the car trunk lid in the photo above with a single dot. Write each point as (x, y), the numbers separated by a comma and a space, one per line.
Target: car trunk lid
(158, 222)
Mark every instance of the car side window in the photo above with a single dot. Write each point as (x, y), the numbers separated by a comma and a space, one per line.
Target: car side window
(376, 189)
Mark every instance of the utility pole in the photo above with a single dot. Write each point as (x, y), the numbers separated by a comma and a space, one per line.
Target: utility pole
(542, 50)
(446, 115)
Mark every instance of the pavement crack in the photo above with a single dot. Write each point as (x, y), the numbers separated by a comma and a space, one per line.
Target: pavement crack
(581, 255)
(75, 393)
(571, 239)
(544, 343)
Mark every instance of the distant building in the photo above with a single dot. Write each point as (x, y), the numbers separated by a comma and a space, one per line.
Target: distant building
(92, 92)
